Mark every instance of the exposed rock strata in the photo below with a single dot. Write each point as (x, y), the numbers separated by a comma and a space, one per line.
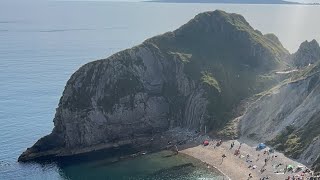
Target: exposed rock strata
(192, 78)
(288, 117)
(307, 54)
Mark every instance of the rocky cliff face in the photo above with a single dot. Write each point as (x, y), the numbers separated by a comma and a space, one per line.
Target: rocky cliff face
(307, 54)
(288, 117)
(192, 77)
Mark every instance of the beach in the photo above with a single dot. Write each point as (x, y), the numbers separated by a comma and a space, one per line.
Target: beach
(239, 167)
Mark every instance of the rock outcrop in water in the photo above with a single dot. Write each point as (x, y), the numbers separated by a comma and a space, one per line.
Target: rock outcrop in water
(194, 78)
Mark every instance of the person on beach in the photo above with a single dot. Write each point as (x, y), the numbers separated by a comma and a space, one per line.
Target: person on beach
(240, 145)
(267, 177)
(265, 163)
(285, 169)
(248, 158)
(232, 144)
(280, 164)
(236, 152)
(223, 156)
(272, 157)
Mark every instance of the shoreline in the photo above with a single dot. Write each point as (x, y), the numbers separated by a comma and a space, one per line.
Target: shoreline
(232, 167)
(237, 167)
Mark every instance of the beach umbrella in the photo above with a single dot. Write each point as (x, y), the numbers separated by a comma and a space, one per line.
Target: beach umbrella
(261, 146)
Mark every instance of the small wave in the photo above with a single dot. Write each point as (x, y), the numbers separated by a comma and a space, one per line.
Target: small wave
(5, 22)
(8, 22)
(4, 164)
(63, 30)
(80, 29)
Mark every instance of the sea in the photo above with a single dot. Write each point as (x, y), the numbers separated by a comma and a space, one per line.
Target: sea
(43, 42)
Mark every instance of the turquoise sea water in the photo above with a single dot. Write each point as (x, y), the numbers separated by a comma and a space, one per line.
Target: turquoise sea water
(162, 165)
(43, 43)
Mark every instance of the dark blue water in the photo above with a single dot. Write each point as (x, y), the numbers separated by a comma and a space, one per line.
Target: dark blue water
(43, 43)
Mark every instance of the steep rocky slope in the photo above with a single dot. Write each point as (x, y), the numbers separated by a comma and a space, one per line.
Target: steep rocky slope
(288, 116)
(308, 53)
(191, 77)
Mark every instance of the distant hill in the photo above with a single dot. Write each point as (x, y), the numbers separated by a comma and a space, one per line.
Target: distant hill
(229, 1)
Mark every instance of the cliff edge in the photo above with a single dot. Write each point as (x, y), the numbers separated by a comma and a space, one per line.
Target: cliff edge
(192, 78)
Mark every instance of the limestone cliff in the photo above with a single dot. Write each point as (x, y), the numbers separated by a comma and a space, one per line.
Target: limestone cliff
(191, 77)
(288, 117)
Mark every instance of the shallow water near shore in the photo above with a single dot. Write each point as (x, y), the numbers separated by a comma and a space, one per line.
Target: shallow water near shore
(160, 165)
(43, 43)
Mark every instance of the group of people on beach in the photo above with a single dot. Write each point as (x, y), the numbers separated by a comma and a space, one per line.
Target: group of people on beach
(268, 155)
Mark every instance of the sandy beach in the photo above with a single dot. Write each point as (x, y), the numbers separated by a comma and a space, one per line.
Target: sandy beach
(238, 167)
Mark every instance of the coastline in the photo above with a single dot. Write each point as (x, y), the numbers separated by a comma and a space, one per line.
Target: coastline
(235, 167)
(189, 143)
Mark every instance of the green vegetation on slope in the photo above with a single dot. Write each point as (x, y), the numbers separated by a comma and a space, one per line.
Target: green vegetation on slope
(293, 141)
(224, 52)
(220, 52)
(306, 72)
(209, 80)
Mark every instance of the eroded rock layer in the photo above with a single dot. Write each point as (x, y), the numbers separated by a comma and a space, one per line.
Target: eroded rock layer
(192, 77)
